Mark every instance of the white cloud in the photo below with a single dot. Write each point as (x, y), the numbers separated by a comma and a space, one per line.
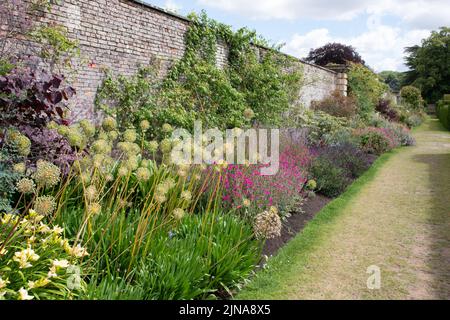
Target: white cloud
(170, 5)
(381, 46)
(290, 9)
(299, 45)
(429, 14)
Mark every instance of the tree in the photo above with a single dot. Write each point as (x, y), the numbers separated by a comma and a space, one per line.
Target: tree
(429, 65)
(393, 79)
(334, 53)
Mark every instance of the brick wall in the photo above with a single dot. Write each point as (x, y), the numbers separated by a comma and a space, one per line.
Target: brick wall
(121, 34)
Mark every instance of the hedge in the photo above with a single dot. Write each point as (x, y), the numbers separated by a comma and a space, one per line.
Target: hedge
(443, 111)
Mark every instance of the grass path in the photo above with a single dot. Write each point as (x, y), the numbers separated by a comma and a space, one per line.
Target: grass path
(396, 216)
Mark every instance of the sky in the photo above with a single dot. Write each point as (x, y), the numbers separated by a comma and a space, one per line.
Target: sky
(379, 30)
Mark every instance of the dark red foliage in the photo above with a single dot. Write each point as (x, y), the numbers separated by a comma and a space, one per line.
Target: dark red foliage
(336, 53)
(49, 145)
(384, 107)
(31, 98)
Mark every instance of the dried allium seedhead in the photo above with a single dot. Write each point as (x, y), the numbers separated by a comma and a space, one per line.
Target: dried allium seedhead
(267, 224)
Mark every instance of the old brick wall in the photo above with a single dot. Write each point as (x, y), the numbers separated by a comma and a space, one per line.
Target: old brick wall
(121, 34)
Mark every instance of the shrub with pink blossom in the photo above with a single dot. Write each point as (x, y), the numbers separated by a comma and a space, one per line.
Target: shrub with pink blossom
(376, 140)
(250, 193)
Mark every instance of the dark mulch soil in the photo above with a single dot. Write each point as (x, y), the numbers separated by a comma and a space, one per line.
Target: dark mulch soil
(295, 223)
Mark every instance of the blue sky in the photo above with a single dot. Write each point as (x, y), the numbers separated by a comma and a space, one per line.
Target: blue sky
(379, 30)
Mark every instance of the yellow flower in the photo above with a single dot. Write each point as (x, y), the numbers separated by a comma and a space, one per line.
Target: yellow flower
(57, 230)
(43, 228)
(9, 218)
(78, 251)
(3, 283)
(52, 272)
(23, 295)
(34, 216)
(38, 284)
(23, 257)
(60, 263)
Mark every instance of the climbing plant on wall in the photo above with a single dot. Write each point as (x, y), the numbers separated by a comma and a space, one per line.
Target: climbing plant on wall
(257, 85)
(366, 87)
(257, 77)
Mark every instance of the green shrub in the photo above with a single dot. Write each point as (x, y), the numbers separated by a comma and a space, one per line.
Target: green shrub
(412, 97)
(224, 254)
(375, 140)
(443, 113)
(366, 87)
(331, 180)
(322, 126)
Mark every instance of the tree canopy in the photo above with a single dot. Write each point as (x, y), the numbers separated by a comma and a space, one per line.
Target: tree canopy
(429, 65)
(334, 53)
(393, 79)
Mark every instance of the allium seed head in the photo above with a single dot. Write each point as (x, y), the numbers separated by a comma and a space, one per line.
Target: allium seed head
(165, 146)
(267, 225)
(44, 205)
(167, 128)
(26, 186)
(47, 174)
(19, 167)
(130, 135)
(152, 146)
(143, 174)
(109, 124)
(144, 125)
(178, 213)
